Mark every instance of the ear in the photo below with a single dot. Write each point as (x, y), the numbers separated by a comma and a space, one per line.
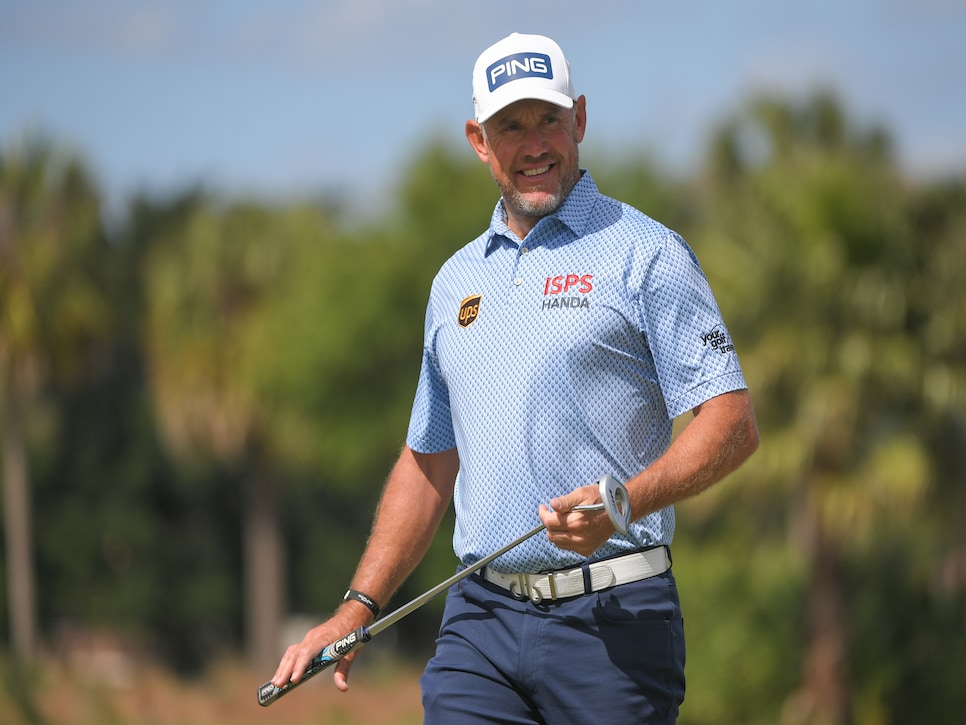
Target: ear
(474, 134)
(581, 120)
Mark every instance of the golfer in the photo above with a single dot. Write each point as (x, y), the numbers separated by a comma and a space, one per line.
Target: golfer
(559, 346)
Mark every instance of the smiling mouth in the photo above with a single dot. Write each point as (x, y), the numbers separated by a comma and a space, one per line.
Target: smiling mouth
(536, 172)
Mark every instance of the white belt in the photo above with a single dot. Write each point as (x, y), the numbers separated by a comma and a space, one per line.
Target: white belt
(583, 579)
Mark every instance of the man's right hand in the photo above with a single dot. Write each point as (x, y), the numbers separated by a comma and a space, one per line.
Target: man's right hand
(347, 619)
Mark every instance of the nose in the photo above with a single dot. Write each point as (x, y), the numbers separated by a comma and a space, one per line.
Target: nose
(534, 141)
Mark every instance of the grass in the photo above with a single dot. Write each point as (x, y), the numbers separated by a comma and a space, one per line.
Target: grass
(52, 693)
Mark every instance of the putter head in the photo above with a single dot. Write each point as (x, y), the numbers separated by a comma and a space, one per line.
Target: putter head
(617, 502)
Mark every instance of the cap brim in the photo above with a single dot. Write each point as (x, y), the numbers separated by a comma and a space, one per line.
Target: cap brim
(520, 92)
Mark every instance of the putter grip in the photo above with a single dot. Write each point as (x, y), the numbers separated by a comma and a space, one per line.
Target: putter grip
(268, 693)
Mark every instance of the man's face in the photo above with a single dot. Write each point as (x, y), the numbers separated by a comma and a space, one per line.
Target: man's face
(531, 149)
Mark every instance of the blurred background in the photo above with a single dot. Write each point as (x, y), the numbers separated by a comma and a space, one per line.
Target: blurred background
(218, 226)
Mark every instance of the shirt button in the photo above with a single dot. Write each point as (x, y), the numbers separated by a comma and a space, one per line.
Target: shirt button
(524, 250)
(518, 281)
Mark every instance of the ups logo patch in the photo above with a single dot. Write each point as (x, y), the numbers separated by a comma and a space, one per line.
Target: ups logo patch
(469, 310)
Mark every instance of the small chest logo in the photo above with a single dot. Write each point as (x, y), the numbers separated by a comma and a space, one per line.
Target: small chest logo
(469, 310)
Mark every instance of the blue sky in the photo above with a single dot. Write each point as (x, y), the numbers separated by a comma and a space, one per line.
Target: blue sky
(295, 97)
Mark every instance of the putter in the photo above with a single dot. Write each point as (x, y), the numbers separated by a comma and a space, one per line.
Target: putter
(616, 503)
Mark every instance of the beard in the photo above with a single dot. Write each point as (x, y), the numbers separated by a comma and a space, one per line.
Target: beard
(535, 206)
(520, 205)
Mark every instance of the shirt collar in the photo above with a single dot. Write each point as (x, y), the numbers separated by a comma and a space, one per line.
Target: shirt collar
(574, 214)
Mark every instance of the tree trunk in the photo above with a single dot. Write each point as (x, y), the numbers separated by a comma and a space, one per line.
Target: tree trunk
(16, 515)
(824, 697)
(264, 574)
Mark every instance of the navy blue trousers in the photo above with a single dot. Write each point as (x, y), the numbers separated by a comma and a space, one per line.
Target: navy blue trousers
(615, 656)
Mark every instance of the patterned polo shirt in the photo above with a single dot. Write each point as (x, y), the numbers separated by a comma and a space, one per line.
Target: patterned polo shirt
(553, 360)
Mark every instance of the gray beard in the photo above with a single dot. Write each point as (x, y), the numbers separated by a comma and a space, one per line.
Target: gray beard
(521, 206)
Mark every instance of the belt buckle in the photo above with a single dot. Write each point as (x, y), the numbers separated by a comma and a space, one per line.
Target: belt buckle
(552, 584)
(521, 588)
(536, 596)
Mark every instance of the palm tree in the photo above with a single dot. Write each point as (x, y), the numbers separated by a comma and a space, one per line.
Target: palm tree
(52, 311)
(808, 213)
(208, 286)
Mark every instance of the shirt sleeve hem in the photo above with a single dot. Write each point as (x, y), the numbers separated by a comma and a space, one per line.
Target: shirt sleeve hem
(727, 383)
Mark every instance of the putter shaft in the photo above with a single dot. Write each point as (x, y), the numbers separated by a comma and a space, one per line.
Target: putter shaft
(589, 507)
(269, 693)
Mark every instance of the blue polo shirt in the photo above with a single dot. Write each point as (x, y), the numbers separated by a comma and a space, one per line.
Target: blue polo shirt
(553, 360)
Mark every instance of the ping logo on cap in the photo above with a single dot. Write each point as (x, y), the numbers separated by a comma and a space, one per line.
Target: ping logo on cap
(516, 66)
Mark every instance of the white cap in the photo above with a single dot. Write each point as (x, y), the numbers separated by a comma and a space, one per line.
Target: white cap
(521, 67)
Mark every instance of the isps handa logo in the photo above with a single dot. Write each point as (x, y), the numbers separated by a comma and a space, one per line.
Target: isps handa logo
(567, 292)
(469, 310)
(718, 340)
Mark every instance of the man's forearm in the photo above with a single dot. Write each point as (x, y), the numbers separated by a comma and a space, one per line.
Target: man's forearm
(722, 435)
(416, 496)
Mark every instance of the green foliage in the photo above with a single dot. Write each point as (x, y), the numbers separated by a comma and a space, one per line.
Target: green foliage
(811, 240)
(55, 325)
(219, 342)
(743, 629)
(52, 308)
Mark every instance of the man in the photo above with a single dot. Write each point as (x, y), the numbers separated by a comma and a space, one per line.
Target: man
(559, 346)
